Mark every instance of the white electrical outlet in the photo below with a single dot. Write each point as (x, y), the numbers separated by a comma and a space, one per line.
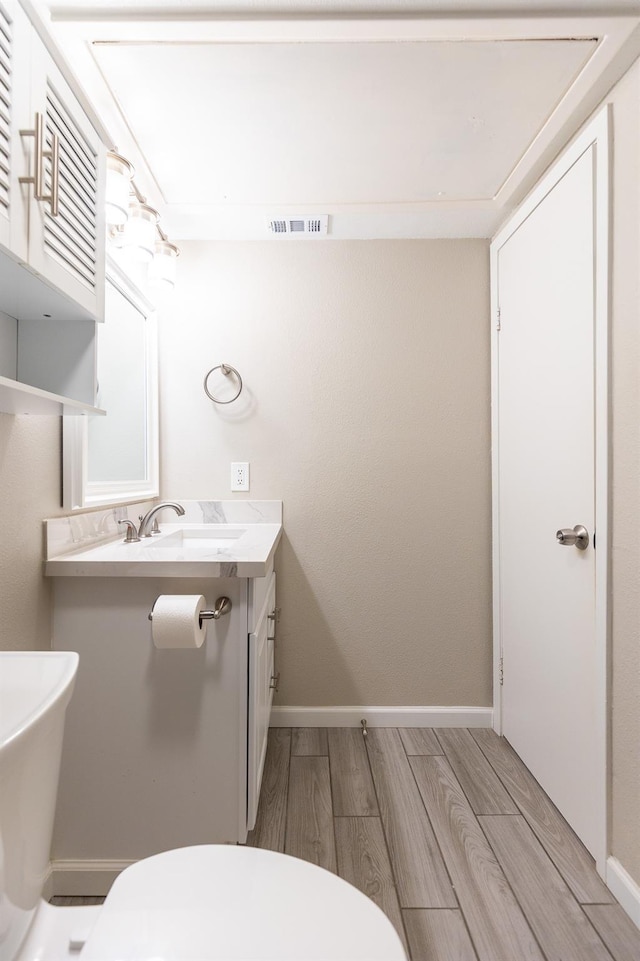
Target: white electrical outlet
(239, 476)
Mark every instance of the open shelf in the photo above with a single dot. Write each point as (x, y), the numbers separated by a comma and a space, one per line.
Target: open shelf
(17, 398)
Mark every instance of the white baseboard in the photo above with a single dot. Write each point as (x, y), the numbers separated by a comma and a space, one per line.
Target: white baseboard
(624, 889)
(351, 716)
(47, 887)
(78, 878)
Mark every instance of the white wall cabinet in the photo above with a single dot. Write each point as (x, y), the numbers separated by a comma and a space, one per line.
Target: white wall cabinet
(52, 229)
(15, 84)
(163, 748)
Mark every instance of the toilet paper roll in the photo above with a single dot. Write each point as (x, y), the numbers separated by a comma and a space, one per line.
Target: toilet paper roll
(176, 621)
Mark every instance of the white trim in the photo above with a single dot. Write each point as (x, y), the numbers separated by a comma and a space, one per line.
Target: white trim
(600, 131)
(47, 886)
(624, 889)
(495, 490)
(596, 133)
(83, 878)
(351, 716)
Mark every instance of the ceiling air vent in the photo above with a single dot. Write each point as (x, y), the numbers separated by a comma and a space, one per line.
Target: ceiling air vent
(300, 226)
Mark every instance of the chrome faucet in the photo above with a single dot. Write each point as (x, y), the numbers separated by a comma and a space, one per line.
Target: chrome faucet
(145, 522)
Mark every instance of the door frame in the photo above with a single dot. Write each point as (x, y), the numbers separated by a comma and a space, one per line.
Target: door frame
(597, 134)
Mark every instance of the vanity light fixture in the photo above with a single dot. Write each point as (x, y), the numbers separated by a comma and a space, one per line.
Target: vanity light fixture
(134, 226)
(138, 236)
(118, 187)
(162, 270)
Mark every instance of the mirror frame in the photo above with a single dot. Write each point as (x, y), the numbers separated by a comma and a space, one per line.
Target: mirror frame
(78, 493)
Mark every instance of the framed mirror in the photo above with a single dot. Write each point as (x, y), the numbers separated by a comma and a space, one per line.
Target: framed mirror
(114, 459)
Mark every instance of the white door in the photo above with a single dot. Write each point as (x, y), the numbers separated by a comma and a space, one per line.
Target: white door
(546, 380)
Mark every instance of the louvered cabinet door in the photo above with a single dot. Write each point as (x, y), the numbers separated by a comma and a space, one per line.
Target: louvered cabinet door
(67, 245)
(15, 44)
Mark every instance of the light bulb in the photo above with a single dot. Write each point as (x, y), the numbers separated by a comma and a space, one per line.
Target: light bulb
(139, 234)
(162, 271)
(119, 174)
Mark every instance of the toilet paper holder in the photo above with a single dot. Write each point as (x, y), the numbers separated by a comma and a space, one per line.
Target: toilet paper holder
(221, 607)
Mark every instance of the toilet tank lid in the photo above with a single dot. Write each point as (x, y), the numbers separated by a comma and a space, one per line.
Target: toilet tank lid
(214, 902)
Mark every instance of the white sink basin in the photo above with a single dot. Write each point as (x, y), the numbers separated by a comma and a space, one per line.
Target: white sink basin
(197, 542)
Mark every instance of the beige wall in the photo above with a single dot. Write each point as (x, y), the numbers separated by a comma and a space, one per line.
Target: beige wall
(29, 492)
(626, 475)
(366, 410)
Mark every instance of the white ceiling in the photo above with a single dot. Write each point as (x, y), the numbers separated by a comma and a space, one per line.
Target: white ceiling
(395, 126)
(336, 123)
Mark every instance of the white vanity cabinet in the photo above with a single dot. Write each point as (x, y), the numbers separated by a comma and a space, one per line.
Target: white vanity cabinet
(52, 226)
(163, 748)
(263, 681)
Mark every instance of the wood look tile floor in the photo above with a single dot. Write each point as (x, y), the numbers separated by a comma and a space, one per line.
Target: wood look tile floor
(448, 832)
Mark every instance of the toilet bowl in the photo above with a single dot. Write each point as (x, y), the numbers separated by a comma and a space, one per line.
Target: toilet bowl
(203, 903)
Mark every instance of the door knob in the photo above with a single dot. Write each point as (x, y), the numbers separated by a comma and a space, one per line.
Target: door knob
(577, 536)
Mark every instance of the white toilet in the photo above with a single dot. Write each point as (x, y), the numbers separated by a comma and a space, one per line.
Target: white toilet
(204, 903)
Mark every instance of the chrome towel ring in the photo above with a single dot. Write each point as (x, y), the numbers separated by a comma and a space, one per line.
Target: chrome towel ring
(226, 369)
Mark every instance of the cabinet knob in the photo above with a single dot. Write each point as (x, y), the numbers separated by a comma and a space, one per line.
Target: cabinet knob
(275, 617)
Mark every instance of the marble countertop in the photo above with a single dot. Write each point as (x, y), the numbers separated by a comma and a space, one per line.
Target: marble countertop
(208, 548)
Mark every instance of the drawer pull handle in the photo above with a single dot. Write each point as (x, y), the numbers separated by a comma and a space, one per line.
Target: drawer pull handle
(275, 617)
(37, 179)
(39, 135)
(275, 682)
